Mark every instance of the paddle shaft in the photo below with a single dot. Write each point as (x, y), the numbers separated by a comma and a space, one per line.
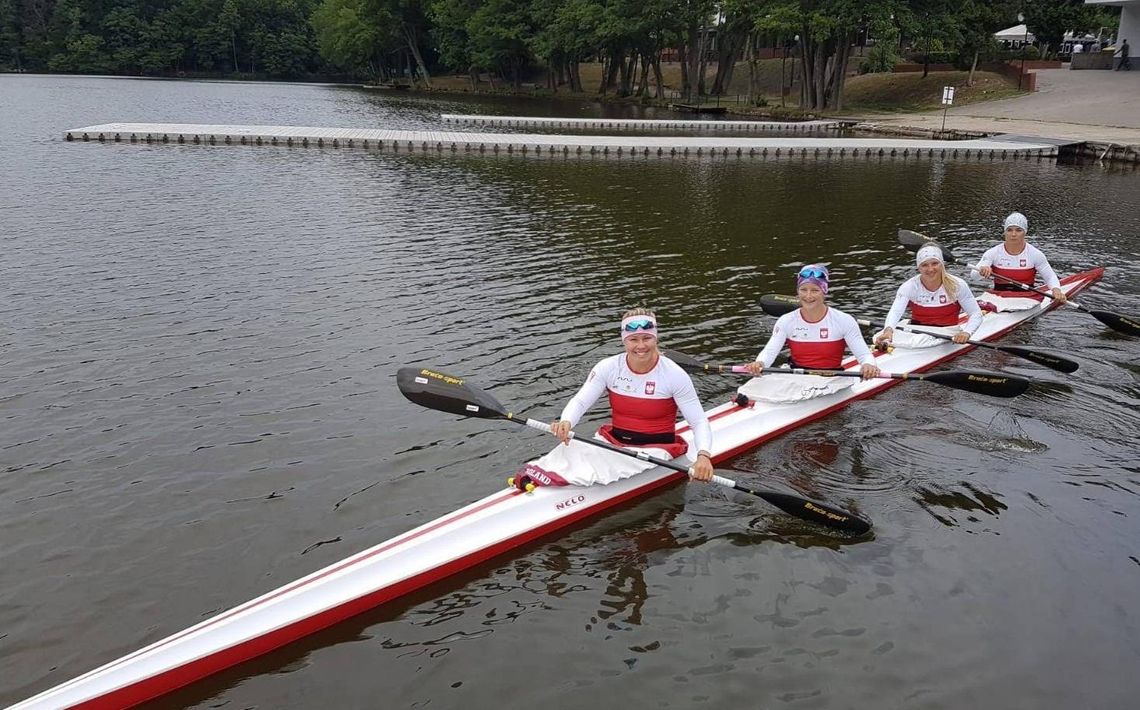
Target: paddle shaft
(988, 383)
(1041, 357)
(1022, 287)
(803, 508)
(543, 426)
(743, 370)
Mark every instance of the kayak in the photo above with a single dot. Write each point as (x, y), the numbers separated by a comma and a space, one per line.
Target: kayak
(475, 533)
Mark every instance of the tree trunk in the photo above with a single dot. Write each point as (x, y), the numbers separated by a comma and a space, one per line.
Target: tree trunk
(643, 81)
(516, 77)
(683, 58)
(414, 46)
(973, 67)
(627, 69)
(694, 48)
(704, 43)
(750, 57)
(728, 53)
(575, 77)
(926, 59)
(657, 76)
(840, 79)
(613, 64)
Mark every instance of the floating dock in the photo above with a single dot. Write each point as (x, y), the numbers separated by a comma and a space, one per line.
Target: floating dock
(643, 124)
(565, 145)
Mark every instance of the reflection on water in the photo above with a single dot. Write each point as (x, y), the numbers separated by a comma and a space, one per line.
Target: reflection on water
(197, 358)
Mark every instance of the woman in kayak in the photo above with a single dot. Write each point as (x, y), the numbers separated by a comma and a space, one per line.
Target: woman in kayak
(934, 298)
(817, 335)
(645, 389)
(1018, 260)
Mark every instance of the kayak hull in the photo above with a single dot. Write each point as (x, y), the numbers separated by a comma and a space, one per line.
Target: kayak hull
(466, 537)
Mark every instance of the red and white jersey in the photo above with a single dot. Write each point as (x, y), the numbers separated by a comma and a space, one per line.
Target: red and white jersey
(935, 307)
(818, 345)
(1024, 267)
(644, 402)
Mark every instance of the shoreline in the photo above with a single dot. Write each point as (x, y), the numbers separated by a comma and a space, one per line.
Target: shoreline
(1105, 143)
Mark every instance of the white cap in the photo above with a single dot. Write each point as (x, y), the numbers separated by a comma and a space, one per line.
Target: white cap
(1016, 220)
(928, 252)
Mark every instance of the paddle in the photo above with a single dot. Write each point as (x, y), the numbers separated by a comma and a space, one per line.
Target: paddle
(776, 304)
(454, 395)
(1041, 357)
(1125, 324)
(995, 384)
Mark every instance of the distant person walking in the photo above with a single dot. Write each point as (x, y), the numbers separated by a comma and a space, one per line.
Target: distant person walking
(1125, 62)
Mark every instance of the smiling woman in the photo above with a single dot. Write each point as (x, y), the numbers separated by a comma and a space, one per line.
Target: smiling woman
(646, 390)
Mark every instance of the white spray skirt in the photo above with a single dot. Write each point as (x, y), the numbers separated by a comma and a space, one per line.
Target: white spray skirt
(776, 388)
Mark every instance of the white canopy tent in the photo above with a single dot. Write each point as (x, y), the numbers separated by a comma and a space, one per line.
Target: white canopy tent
(1015, 36)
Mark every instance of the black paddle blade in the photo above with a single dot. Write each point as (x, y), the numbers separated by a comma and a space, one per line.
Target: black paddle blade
(446, 393)
(995, 384)
(916, 240)
(1041, 357)
(1124, 324)
(813, 511)
(912, 240)
(687, 362)
(777, 304)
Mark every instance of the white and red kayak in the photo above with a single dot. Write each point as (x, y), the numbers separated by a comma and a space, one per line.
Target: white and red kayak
(466, 537)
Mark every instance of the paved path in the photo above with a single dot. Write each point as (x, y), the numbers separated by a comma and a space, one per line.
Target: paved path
(1078, 105)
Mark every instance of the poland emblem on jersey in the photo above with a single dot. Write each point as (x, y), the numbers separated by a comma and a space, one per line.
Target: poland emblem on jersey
(823, 332)
(942, 298)
(650, 387)
(1024, 263)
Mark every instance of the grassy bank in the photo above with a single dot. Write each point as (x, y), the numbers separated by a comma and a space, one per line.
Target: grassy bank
(910, 92)
(903, 92)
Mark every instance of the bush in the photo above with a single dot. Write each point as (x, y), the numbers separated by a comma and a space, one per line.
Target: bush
(881, 58)
(1030, 52)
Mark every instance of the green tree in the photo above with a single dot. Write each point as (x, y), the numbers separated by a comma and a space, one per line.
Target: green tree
(827, 30)
(499, 32)
(346, 38)
(1049, 20)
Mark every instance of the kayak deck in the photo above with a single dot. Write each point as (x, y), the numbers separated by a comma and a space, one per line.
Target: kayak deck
(473, 534)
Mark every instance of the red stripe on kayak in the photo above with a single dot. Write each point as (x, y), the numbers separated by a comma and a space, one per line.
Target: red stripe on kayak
(1091, 275)
(343, 565)
(155, 686)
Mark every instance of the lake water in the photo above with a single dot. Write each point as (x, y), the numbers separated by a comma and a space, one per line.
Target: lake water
(198, 350)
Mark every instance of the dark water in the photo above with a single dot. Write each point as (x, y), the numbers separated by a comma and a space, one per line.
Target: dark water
(197, 404)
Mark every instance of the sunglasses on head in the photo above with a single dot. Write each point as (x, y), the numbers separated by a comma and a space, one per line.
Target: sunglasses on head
(813, 272)
(636, 325)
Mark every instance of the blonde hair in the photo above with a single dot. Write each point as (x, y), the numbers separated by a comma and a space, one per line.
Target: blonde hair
(949, 284)
(639, 311)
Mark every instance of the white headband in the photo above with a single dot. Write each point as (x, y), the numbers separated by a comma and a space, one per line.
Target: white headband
(928, 252)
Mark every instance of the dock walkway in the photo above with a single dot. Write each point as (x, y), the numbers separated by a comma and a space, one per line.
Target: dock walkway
(567, 145)
(642, 124)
